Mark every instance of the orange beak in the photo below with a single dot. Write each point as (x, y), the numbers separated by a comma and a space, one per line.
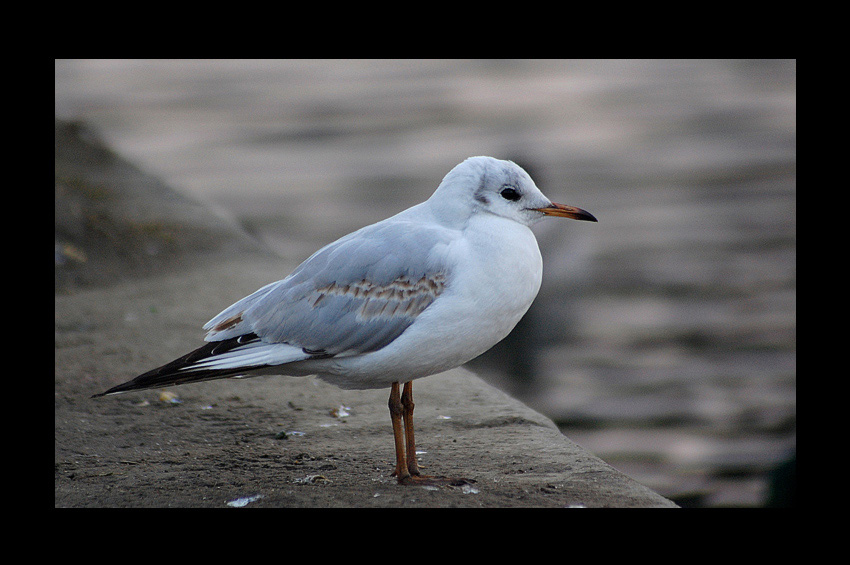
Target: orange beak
(562, 211)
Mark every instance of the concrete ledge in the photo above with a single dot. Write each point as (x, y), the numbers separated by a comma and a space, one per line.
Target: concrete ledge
(282, 438)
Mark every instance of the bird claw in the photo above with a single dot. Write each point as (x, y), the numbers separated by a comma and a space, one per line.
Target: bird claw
(429, 480)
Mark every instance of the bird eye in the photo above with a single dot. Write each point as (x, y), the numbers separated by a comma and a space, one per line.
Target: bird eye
(510, 194)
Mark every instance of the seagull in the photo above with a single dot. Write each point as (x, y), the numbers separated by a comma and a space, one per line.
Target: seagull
(416, 294)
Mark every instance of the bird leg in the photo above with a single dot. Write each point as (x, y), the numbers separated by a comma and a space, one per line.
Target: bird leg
(407, 405)
(396, 411)
(406, 467)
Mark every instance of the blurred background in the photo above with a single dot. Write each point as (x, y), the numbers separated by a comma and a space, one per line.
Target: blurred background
(664, 337)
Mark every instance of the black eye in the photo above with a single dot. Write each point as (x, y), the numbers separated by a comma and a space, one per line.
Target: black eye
(510, 194)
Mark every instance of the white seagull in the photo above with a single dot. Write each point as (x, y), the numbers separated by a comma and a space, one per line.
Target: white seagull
(416, 294)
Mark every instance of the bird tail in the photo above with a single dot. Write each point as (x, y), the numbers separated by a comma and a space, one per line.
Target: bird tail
(198, 365)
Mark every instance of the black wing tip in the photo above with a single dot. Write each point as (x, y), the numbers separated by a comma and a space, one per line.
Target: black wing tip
(118, 389)
(177, 372)
(124, 387)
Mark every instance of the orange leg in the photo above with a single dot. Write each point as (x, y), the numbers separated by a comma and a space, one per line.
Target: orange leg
(406, 467)
(407, 404)
(396, 411)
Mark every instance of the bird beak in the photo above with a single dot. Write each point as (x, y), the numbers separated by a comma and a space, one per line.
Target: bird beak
(562, 211)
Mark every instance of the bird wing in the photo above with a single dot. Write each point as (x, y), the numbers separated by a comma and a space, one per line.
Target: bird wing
(353, 296)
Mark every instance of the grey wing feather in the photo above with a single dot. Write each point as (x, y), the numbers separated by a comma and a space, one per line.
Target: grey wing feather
(353, 296)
